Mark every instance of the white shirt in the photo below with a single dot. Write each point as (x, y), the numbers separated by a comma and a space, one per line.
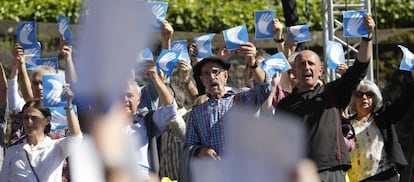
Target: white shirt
(46, 158)
(16, 102)
(369, 157)
(161, 118)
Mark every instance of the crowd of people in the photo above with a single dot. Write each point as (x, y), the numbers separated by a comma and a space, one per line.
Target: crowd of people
(151, 135)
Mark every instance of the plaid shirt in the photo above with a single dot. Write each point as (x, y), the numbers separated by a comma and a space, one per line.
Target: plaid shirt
(205, 122)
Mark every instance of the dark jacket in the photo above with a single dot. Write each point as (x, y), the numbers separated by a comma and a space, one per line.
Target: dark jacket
(386, 117)
(321, 112)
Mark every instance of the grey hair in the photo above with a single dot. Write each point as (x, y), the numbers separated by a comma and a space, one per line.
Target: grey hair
(135, 84)
(376, 100)
(43, 68)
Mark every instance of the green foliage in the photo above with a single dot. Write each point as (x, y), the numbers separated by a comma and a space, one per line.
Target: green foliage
(39, 10)
(395, 14)
(212, 15)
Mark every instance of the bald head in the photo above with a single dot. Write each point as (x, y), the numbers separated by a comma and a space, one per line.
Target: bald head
(307, 69)
(308, 54)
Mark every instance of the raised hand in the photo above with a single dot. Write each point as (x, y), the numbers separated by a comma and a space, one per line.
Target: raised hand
(249, 51)
(369, 23)
(277, 29)
(192, 51)
(342, 68)
(224, 53)
(67, 94)
(264, 21)
(185, 70)
(24, 34)
(233, 35)
(166, 31)
(17, 52)
(54, 96)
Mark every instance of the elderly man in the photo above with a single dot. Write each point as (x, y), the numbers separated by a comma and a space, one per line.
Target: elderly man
(320, 107)
(160, 119)
(205, 122)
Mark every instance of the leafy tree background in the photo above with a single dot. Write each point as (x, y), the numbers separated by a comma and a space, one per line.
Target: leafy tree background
(211, 15)
(216, 15)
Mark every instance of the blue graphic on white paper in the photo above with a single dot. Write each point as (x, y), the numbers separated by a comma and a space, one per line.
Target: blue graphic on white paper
(52, 90)
(145, 54)
(263, 24)
(59, 118)
(166, 61)
(181, 45)
(354, 24)
(276, 63)
(235, 37)
(203, 44)
(407, 62)
(52, 62)
(299, 33)
(63, 28)
(159, 10)
(26, 34)
(336, 55)
(31, 54)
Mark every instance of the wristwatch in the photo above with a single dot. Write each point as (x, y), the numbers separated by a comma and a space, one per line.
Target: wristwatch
(279, 40)
(253, 66)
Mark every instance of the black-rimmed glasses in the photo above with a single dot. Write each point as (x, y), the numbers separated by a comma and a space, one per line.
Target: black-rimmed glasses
(215, 73)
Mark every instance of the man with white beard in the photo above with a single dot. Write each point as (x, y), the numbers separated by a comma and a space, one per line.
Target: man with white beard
(205, 122)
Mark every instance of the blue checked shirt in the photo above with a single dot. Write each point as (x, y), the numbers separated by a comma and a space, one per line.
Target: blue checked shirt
(205, 122)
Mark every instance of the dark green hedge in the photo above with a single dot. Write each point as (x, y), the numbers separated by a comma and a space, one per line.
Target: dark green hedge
(211, 15)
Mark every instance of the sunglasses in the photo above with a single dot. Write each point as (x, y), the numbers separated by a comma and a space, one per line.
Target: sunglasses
(360, 94)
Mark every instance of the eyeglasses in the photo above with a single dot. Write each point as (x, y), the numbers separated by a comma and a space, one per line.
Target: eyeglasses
(214, 72)
(360, 94)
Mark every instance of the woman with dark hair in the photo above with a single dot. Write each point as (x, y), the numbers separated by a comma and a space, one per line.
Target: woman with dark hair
(38, 157)
(377, 154)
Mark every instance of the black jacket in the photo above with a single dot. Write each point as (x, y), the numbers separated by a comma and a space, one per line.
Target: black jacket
(321, 111)
(386, 117)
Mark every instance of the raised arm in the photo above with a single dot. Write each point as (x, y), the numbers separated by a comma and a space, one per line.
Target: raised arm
(23, 76)
(278, 35)
(73, 122)
(365, 49)
(164, 94)
(166, 34)
(284, 45)
(185, 77)
(70, 72)
(249, 51)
